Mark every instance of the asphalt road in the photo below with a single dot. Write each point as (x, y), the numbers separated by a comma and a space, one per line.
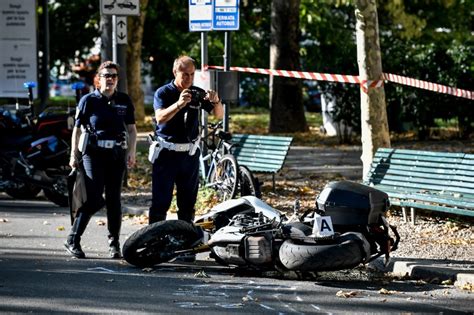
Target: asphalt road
(36, 275)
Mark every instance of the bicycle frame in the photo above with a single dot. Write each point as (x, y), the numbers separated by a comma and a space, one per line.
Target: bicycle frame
(209, 161)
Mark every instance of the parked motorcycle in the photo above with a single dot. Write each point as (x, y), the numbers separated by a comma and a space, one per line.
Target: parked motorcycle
(346, 228)
(34, 150)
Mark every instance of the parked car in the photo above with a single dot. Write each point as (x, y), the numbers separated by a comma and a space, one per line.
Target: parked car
(313, 102)
(127, 4)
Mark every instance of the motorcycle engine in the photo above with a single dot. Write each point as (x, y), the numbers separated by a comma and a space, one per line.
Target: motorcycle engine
(233, 245)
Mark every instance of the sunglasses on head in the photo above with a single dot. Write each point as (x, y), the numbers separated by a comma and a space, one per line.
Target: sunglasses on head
(108, 75)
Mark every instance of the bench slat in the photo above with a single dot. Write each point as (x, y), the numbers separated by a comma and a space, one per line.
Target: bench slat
(460, 202)
(262, 153)
(439, 208)
(420, 152)
(403, 183)
(439, 179)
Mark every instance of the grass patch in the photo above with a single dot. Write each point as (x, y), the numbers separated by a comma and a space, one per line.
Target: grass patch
(252, 120)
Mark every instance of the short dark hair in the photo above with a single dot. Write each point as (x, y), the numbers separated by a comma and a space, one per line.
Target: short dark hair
(108, 65)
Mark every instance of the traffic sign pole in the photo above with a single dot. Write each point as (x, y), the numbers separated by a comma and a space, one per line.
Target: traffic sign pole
(114, 38)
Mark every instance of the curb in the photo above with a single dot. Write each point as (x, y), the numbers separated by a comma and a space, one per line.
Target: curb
(460, 274)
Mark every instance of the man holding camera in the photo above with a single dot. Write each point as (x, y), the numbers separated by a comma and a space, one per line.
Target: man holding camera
(177, 107)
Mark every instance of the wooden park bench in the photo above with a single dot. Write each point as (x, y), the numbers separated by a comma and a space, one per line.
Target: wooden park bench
(435, 181)
(261, 154)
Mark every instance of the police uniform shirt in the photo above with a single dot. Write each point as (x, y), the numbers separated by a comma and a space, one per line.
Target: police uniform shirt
(105, 116)
(184, 126)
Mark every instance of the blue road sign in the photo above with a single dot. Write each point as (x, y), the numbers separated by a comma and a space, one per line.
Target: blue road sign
(200, 15)
(226, 15)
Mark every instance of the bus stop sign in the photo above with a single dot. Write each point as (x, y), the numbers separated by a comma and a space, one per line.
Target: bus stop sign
(226, 15)
(208, 15)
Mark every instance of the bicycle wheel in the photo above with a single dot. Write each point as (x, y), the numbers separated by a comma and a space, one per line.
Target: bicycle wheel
(225, 177)
(248, 183)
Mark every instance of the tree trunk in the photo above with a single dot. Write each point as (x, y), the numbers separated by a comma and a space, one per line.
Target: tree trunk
(134, 60)
(105, 37)
(286, 98)
(375, 133)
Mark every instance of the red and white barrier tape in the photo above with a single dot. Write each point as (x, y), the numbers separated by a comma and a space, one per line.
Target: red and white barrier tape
(364, 84)
(428, 86)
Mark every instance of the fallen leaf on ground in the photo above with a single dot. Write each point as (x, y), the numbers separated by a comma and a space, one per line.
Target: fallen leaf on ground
(346, 294)
(448, 282)
(387, 292)
(60, 228)
(100, 222)
(3, 220)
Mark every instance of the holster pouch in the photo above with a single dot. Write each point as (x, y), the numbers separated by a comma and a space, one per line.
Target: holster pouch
(194, 148)
(83, 142)
(154, 151)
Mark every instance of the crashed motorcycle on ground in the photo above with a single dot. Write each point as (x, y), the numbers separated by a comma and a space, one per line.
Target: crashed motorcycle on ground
(347, 227)
(34, 150)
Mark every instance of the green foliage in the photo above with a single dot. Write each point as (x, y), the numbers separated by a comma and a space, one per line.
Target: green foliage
(73, 25)
(441, 53)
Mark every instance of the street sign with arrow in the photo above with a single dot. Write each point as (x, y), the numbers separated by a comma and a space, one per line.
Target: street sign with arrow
(121, 30)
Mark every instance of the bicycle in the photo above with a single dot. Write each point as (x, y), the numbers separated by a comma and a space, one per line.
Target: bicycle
(220, 169)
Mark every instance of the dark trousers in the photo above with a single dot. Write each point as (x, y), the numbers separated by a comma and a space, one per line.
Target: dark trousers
(104, 169)
(169, 169)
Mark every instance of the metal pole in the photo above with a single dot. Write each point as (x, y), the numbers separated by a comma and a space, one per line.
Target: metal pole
(122, 61)
(43, 84)
(114, 38)
(204, 62)
(227, 48)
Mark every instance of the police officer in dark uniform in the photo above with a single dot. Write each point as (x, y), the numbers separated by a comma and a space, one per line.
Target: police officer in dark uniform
(105, 133)
(177, 107)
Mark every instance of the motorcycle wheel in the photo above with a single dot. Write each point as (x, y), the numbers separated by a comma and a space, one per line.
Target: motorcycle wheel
(346, 251)
(158, 242)
(58, 194)
(26, 191)
(248, 183)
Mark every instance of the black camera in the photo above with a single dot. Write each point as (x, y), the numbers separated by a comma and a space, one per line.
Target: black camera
(197, 95)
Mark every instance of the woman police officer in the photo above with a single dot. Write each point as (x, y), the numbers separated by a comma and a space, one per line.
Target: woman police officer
(107, 116)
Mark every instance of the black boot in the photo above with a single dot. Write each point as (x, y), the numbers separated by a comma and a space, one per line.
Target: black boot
(73, 242)
(114, 248)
